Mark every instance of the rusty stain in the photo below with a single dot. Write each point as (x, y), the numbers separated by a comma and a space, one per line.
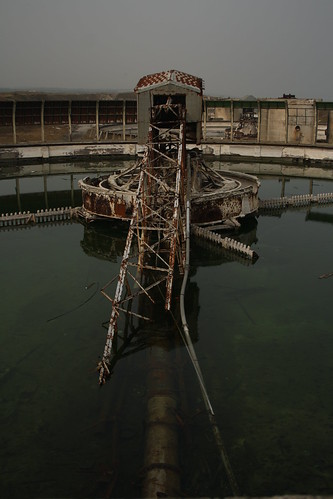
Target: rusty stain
(210, 202)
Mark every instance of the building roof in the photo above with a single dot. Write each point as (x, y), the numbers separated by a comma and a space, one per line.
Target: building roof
(172, 76)
(29, 95)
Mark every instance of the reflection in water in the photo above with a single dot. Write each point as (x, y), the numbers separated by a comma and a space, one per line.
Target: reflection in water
(262, 334)
(318, 216)
(310, 214)
(107, 243)
(30, 188)
(103, 241)
(39, 200)
(161, 336)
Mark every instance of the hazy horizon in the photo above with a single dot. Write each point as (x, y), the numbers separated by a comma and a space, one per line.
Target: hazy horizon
(239, 47)
(94, 90)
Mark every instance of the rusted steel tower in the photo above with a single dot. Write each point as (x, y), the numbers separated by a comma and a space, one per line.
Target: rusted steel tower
(156, 229)
(154, 247)
(151, 197)
(155, 197)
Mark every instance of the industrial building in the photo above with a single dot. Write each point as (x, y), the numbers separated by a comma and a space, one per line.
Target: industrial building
(72, 124)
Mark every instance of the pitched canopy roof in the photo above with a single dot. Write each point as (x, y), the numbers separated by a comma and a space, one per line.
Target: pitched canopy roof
(176, 77)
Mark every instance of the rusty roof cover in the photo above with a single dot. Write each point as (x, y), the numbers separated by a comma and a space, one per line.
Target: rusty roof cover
(173, 76)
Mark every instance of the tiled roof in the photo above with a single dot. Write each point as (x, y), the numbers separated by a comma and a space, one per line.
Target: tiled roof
(174, 76)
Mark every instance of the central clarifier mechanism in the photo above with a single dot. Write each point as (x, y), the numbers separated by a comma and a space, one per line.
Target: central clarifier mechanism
(165, 100)
(166, 193)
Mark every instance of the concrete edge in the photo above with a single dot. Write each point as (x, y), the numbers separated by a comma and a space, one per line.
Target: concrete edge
(268, 153)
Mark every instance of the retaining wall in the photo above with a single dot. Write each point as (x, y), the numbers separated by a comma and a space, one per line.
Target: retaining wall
(302, 155)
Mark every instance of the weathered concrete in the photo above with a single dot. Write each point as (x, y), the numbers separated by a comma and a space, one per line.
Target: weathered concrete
(291, 154)
(277, 169)
(38, 126)
(271, 152)
(47, 153)
(272, 125)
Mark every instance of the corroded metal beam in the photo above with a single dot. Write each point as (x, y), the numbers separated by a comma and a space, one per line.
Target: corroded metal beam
(155, 223)
(103, 365)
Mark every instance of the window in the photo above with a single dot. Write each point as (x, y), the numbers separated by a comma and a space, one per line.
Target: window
(110, 112)
(56, 113)
(28, 113)
(83, 112)
(6, 113)
(131, 112)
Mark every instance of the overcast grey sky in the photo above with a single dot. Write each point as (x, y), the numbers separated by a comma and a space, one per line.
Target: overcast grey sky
(239, 47)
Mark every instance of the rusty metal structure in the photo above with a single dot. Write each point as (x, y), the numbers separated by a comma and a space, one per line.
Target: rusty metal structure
(170, 87)
(155, 246)
(166, 100)
(217, 197)
(156, 225)
(151, 196)
(160, 197)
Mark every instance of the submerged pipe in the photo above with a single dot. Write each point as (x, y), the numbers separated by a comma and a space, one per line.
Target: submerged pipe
(161, 464)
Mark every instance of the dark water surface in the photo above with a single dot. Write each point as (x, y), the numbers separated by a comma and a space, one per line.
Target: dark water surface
(263, 334)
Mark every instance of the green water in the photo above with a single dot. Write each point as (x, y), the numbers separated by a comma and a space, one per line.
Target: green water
(267, 356)
(262, 333)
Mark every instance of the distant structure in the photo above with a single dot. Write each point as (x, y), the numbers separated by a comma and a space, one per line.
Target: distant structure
(47, 125)
(174, 87)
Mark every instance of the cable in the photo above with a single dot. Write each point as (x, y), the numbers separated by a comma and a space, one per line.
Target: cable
(78, 306)
(189, 346)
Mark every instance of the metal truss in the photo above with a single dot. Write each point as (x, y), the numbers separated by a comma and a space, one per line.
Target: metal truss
(155, 241)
